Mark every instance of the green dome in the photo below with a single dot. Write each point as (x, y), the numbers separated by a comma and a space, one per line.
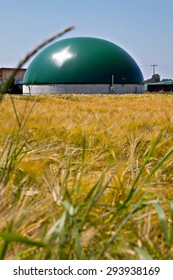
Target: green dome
(83, 61)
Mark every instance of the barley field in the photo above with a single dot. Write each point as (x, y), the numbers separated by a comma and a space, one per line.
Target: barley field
(86, 177)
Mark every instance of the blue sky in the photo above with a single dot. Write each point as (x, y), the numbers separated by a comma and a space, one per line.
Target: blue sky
(142, 27)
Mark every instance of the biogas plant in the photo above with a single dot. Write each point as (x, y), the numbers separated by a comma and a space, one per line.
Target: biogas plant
(83, 65)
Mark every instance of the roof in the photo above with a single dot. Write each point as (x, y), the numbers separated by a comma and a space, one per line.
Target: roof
(83, 60)
(169, 82)
(10, 68)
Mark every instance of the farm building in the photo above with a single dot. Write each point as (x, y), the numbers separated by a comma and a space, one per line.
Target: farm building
(83, 65)
(166, 86)
(4, 72)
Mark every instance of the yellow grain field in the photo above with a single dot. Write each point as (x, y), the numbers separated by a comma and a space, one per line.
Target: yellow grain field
(86, 177)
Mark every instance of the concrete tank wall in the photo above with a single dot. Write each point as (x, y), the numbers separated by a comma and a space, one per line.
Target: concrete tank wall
(85, 89)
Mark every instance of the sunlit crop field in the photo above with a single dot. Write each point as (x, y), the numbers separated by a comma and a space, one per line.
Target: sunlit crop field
(86, 177)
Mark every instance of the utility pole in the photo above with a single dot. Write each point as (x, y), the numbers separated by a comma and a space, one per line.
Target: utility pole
(154, 66)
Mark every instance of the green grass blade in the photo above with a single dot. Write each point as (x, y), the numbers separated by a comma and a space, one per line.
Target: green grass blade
(94, 187)
(3, 249)
(94, 199)
(163, 160)
(5, 147)
(163, 221)
(9, 147)
(153, 171)
(57, 228)
(171, 231)
(15, 153)
(15, 111)
(78, 245)
(12, 237)
(24, 121)
(82, 165)
(72, 211)
(125, 219)
(143, 254)
(146, 160)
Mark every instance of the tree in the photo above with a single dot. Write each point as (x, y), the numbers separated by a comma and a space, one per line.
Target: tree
(164, 80)
(154, 79)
